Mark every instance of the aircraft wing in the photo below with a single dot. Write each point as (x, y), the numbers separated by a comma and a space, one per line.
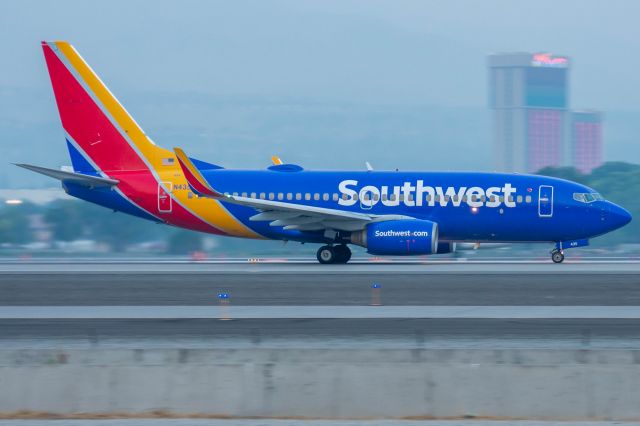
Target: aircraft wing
(288, 215)
(77, 178)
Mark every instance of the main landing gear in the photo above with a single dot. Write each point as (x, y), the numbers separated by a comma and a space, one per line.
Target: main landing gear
(334, 254)
(557, 256)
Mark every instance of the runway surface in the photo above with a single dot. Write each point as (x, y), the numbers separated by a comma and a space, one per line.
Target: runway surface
(445, 304)
(302, 422)
(276, 288)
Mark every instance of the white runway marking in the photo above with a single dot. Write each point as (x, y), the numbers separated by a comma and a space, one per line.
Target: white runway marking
(319, 312)
(294, 266)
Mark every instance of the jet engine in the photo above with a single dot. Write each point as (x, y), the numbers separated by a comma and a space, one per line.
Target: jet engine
(398, 237)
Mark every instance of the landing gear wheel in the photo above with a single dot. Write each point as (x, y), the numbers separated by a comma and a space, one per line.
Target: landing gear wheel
(343, 253)
(557, 256)
(326, 255)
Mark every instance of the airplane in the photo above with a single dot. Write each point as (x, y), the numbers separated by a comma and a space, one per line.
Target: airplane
(390, 213)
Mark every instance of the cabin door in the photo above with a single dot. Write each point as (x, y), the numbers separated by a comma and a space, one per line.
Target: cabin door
(164, 197)
(545, 201)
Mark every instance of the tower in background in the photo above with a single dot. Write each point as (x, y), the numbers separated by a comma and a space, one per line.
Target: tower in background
(529, 96)
(586, 140)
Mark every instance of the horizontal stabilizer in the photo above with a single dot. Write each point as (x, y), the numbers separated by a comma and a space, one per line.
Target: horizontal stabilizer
(71, 177)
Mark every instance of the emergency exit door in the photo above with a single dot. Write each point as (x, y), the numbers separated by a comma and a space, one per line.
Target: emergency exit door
(545, 201)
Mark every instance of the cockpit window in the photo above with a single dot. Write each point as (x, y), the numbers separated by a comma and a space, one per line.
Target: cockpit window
(587, 197)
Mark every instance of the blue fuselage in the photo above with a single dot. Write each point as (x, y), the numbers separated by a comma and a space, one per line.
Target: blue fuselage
(466, 206)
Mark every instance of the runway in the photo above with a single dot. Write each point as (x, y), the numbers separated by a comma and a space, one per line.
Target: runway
(297, 289)
(422, 305)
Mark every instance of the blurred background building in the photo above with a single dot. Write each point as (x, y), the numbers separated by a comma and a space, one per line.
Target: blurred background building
(586, 140)
(532, 125)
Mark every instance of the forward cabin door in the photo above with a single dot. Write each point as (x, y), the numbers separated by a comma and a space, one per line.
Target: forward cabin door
(545, 201)
(164, 198)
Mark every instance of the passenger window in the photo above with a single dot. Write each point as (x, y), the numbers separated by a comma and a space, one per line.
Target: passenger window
(447, 198)
(316, 196)
(510, 198)
(410, 197)
(244, 194)
(235, 194)
(384, 197)
(335, 197)
(345, 197)
(355, 197)
(455, 198)
(262, 195)
(272, 195)
(253, 195)
(393, 197)
(401, 197)
(307, 196)
(493, 198)
(376, 197)
(519, 198)
(464, 198)
(325, 197)
(289, 196)
(189, 194)
(483, 198)
(428, 198)
(298, 196)
(528, 198)
(280, 196)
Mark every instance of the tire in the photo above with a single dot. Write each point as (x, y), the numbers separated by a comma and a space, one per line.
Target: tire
(343, 253)
(326, 255)
(557, 257)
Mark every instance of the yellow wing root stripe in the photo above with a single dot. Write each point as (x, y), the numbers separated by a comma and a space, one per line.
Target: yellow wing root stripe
(210, 210)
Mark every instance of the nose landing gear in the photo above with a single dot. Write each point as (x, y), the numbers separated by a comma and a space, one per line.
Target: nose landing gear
(557, 256)
(334, 254)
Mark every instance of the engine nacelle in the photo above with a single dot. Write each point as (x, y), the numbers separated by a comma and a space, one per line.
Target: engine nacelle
(398, 237)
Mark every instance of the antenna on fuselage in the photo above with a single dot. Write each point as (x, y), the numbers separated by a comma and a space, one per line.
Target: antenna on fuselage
(369, 168)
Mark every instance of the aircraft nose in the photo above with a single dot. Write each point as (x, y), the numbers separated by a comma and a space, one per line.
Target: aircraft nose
(618, 217)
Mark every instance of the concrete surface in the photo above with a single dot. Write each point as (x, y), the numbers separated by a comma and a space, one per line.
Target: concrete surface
(371, 265)
(276, 288)
(319, 312)
(300, 422)
(321, 333)
(554, 384)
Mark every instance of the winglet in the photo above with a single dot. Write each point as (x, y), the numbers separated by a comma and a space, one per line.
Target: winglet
(196, 181)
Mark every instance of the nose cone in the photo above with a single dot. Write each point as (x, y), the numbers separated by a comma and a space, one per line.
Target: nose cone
(617, 216)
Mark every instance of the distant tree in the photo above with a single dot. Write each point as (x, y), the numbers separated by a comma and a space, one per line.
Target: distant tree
(183, 242)
(569, 173)
(66, 220)
(14, 224)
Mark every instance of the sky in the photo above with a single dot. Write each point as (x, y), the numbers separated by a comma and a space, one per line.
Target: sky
(423, 52)
(313, 78)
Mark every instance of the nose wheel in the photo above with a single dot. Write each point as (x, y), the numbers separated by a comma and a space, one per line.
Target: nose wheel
(334, 254)
(557, 256)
